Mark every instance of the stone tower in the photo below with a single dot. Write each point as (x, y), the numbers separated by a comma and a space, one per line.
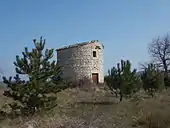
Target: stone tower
(83, 60)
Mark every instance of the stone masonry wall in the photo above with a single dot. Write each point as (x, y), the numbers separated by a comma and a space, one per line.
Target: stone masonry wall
(78, 61)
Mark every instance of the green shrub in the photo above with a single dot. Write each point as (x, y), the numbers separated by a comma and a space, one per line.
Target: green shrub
(153, 79)
(39, 92)
(123, 79)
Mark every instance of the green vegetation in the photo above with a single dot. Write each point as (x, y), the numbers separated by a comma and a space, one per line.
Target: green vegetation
(49, 100)
(39, 92)
(153, 79)
(122, 78)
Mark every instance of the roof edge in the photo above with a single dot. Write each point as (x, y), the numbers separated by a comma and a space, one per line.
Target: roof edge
(78, 44)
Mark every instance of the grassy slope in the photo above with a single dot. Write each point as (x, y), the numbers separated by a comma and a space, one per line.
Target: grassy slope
(82, 108)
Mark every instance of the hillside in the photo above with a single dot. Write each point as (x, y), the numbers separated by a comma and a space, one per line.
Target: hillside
(96, 108)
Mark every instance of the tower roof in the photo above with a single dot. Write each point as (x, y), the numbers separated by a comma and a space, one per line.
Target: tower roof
(78, 44)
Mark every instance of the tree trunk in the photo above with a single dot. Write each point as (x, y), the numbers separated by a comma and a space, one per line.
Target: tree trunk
(116, 94)
(165, 66)
(121, 96)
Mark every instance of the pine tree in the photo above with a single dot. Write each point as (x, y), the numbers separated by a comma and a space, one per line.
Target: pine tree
(112, 81)
(39, 92)
(153, 79)
(122, 78)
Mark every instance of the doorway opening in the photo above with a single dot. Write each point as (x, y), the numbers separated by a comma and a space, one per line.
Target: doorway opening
(95, 78)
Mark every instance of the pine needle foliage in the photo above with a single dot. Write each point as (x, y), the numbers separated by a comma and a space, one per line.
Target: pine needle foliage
(123, 79)
(39, 91)
(153, 79)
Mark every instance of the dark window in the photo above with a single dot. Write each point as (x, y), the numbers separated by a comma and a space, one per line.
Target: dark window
(97, 47)
(94, 53)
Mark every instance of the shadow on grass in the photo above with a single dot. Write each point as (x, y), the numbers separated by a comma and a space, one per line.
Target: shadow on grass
(97, 103)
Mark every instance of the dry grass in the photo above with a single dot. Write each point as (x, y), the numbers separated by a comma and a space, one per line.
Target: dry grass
(96, 108)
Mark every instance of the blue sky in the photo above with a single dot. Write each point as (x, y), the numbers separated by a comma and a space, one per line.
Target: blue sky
(125, 27)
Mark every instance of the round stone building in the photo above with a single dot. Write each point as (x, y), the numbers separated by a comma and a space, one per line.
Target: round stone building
(82, 60)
